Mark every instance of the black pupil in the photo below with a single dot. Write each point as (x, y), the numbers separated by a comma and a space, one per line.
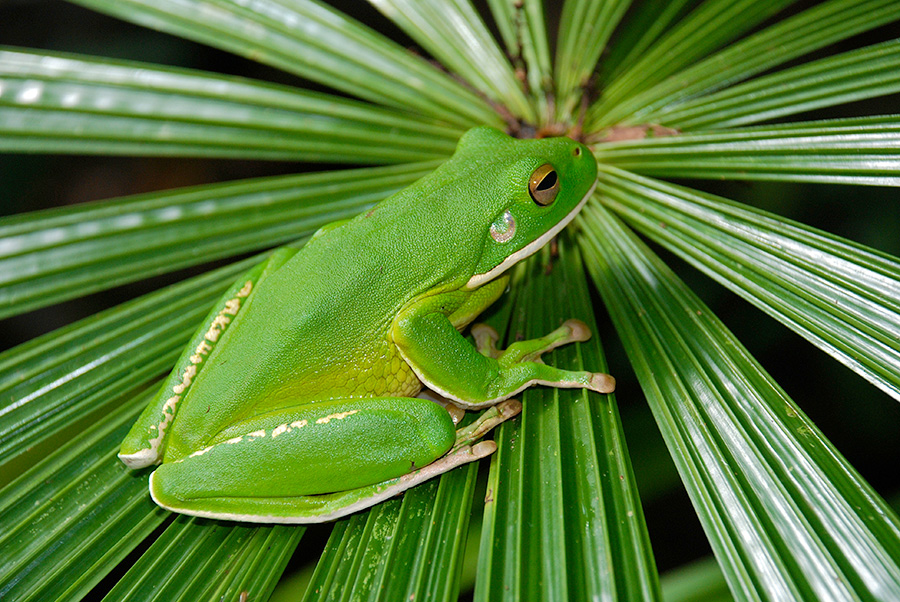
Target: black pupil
(548, 182)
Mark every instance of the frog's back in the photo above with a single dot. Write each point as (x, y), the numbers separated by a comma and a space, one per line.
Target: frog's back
(317, 328)
(326, 315)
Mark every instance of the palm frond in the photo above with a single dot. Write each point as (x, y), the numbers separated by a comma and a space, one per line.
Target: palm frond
(847, 77)
(861, 151)
(842, 297)
(699, 581)
(525, 35)
(711, 25)
(759, 473)
(75, 515)
(69, 103)
(659, 89)
(582, 21)
(561, 481)
(315, 42)
(645, 23)
(409, 549)
(796, 36)
(50, 256)
(209, 560)
(454, 33)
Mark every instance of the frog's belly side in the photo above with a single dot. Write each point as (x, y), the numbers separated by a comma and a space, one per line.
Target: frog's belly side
(379, 372)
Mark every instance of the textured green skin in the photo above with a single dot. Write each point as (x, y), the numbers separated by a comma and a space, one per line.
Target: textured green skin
(320, 335)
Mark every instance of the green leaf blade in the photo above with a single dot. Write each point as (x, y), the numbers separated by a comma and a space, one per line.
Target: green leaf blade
(197, 559)
(709, 26)
(524, 32)
(409, 549)
(641, 29)
(699, 581)
(840, 296)
(74, 516)
(313, 41)
(544, 513)
(52, 256)
(454, 33)
(780, 505)
(859, 74)
(788, 39)
(71, 103)
(841, 151)
(584, 30)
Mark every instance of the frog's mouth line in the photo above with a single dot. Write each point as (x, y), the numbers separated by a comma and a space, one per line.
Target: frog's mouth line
(529, 249)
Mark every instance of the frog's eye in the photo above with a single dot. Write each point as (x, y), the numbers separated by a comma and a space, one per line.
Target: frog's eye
(544, 185)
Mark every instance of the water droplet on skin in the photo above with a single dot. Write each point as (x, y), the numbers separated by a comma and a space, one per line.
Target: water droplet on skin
(504, 228)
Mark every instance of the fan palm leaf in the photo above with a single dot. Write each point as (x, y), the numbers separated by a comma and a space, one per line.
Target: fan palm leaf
(661, 91)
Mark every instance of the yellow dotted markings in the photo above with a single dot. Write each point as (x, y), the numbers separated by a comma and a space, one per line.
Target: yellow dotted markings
(278, 430)
(338, 416)
(168, 415)
(219, 323)
(202, 349)
(187, 376)
(198, 453)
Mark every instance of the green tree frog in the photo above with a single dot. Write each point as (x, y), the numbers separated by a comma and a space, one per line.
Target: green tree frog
(296, 400)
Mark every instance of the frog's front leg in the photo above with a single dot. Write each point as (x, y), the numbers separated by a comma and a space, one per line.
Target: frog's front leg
(318, 461)
(426, 334)
(486, 339)
(571, 331)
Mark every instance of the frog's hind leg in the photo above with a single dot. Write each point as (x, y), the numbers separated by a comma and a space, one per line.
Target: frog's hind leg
(482, 425)
(319, 461)
(464, 450)
(145, 443)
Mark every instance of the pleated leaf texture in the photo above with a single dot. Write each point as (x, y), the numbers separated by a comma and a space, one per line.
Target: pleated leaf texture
(724, 132)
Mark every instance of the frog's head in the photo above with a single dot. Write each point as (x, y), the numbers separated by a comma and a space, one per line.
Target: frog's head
(535, 188)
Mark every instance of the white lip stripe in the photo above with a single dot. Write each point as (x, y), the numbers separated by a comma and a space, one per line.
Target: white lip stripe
(479, 279)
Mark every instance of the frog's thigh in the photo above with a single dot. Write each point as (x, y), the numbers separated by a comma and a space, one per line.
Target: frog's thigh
(311, 449)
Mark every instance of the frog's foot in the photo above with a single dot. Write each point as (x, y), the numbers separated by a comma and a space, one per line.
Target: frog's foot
(388, 489)
(490, 418)
(456, 413)
(602, 383)
(571, 331)
(486, 339)
(462, 452)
